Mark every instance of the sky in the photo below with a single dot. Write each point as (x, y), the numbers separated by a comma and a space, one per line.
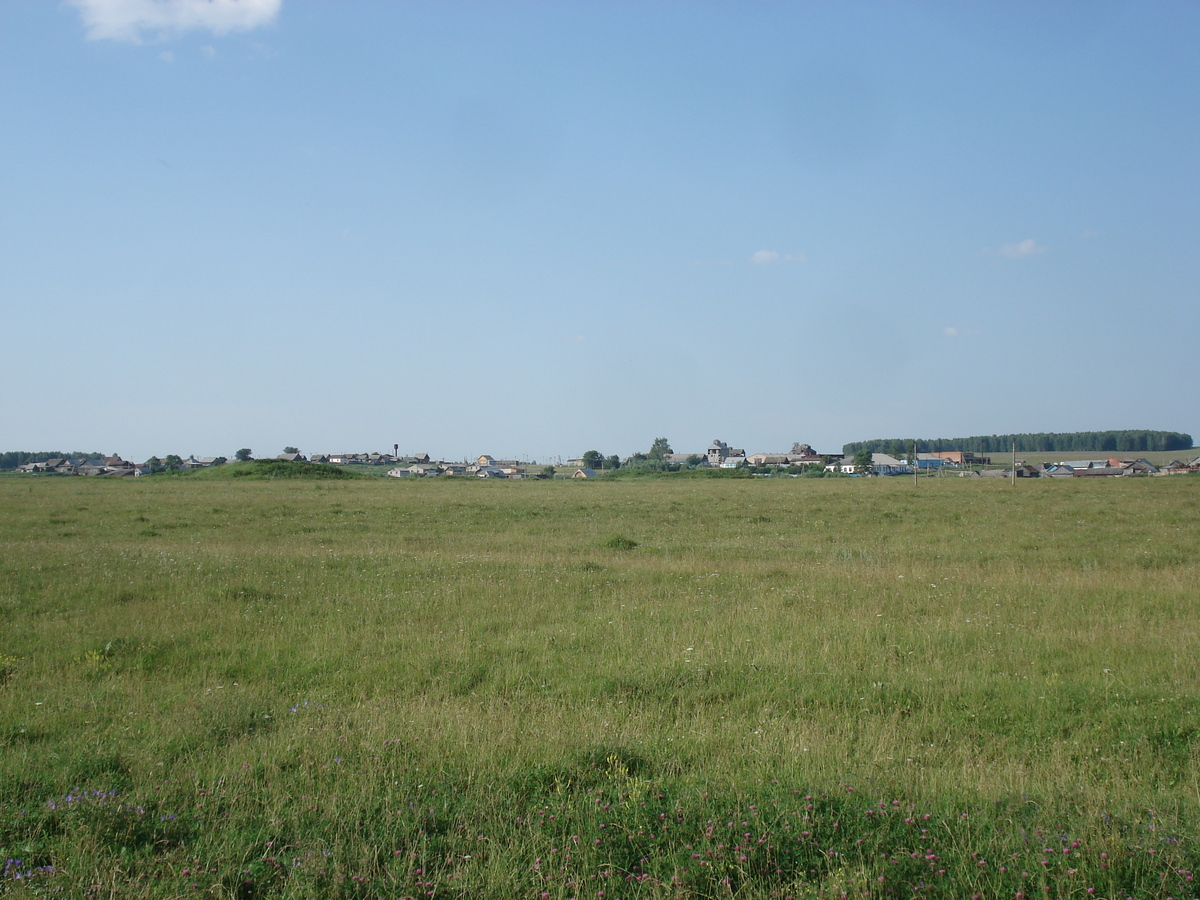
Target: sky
(532, 229)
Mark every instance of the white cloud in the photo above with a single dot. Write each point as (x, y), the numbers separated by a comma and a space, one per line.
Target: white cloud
(128, 20)
(950, 331)
(1022, 249)
(770, 257)
(1087, 235)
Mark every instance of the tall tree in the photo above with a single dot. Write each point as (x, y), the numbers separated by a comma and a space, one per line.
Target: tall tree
(863, 462)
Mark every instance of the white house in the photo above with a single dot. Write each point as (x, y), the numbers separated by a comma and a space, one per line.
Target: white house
(881, 464)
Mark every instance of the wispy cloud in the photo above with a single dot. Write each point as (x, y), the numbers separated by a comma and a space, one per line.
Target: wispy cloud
(1021, 249)
(129, 20)
(771, 257)
(953, 331)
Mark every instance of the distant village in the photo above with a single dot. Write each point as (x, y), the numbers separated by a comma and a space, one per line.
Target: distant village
(800, 460)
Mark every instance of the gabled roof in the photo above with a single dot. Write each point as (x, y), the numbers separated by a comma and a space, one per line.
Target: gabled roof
(1084, 463)
(680, 457)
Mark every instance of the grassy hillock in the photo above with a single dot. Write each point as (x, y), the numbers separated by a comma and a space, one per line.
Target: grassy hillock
(275, 468)
(753, 688)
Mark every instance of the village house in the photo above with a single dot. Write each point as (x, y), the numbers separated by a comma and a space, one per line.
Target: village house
(1179, 467)
(1100, 468)
(56, 466)
(768, 459)
(1139, 466)
(109, 465)
(799, 455)
(926, 461)
(881, 464)
(681, 459)
(719, 451)
(962, 458)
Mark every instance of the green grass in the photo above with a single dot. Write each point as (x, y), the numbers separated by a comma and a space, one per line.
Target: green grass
(256, 687)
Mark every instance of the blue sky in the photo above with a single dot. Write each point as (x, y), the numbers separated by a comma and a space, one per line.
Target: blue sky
(537, 228)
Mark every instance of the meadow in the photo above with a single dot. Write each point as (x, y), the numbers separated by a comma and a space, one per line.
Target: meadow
(219, 687)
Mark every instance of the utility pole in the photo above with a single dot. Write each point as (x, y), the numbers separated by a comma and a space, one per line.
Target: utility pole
(1014, 471)
(913, 460)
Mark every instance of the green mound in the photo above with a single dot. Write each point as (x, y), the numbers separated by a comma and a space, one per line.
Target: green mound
(277, 468)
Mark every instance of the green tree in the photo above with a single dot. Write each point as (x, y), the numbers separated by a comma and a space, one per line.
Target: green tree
(862, 462)
(612, 462)
(154, 464)
(660, 448)
(243, 455)
(593, 459)
(291, 449)
(172, 462)
(220, 461)
(548, 471)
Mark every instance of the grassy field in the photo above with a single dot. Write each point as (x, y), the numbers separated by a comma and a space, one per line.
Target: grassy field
(239, 688)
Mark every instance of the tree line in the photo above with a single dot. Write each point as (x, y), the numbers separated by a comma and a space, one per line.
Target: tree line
(1129, 441)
